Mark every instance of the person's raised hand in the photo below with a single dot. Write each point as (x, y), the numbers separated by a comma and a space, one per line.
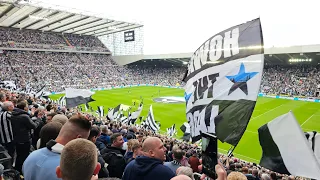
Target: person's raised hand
(220, 171)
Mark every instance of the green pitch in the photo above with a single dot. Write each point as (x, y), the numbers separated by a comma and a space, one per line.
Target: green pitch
(307, 114)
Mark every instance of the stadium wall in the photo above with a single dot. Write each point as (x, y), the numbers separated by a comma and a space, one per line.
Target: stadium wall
(309, 99)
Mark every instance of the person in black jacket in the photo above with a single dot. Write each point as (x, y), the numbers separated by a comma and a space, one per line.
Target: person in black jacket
(22, 125)
(114, 156)
(93, 136)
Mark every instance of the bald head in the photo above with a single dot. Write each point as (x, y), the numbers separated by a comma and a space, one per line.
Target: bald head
(76, 127)
(150, 143)
(8, 106)
(181, 177)
(153, 148)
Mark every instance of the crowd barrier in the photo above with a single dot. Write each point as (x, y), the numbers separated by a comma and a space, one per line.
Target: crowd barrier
(309, 99)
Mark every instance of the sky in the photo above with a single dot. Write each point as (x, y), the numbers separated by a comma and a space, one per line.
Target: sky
(181, 26)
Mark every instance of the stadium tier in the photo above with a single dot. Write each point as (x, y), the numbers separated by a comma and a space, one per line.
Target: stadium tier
(16, 38)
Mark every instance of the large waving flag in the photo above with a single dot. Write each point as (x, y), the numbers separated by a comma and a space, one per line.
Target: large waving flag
(75, 97)
(222, 82)
(286, 149)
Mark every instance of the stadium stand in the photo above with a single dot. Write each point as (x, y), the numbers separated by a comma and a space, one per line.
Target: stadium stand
(17, 38)
(57, 70)
(297, 80)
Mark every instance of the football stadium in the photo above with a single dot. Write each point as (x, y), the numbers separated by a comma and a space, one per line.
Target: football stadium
(77, 87)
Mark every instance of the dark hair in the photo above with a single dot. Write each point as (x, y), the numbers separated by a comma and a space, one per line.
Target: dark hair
(48, 132)
(273, 176)
(22, 105)
(178, 154)
(1, 96)
(49, 107)
(36, 113)
(129, 136)
(51, 114)
(114, 137)
(80, 121)
(94, 132)
(232, 167)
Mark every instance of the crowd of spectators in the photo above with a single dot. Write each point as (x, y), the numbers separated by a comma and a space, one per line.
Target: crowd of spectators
(84, 41)
(29, 36)
(297, 80)
(17, 38)
(70, 144)
(60, 70)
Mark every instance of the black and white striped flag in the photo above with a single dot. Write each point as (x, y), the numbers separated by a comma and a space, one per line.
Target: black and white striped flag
(150, 121)
(113, 112)
(171, 131)
(62, 101)
(314, 142)
(100, 111)
(286, 149)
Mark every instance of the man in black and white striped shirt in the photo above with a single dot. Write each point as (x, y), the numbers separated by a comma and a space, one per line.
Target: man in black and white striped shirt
(6, 134)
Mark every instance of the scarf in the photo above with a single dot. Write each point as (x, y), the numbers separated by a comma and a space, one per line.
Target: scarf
(55, 147)
(176, 162)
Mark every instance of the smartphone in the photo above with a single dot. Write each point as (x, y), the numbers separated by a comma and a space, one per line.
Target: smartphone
(209, 154)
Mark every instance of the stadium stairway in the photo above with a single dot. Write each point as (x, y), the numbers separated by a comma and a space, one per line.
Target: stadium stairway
(67, 41)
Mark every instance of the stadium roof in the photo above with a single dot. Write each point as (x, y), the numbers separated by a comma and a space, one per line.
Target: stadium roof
(306, 54)
(17, 14)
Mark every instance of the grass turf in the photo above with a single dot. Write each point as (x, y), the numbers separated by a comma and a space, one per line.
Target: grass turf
(307, 114)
